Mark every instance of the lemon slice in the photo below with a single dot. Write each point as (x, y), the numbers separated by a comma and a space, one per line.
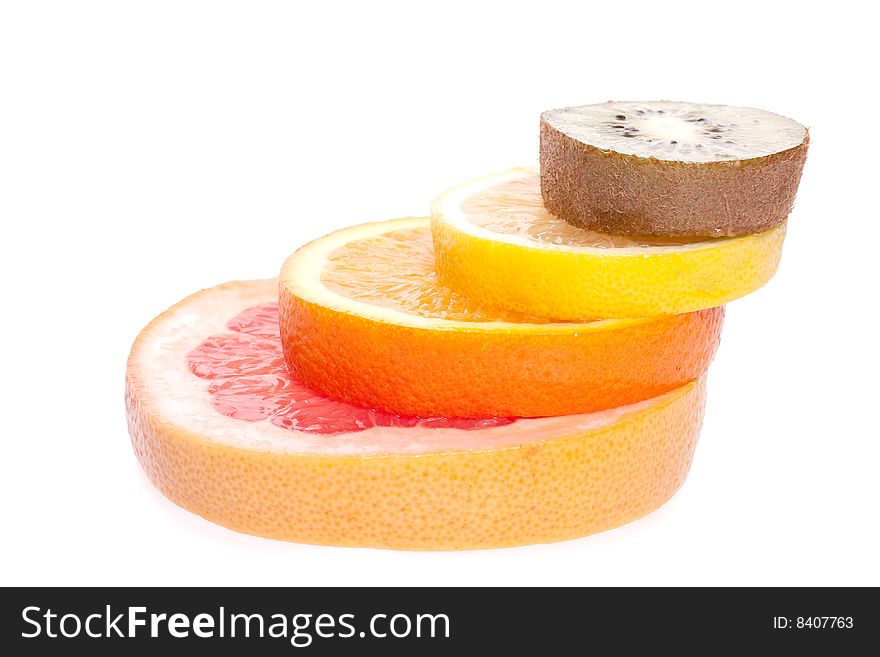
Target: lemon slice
(496, 244)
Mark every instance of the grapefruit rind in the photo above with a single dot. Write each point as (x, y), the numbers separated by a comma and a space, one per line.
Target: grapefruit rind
(534, 481)
(572, 283)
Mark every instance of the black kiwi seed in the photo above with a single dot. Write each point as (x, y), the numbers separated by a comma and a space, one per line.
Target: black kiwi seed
(620, 117)
(673, 142)
(628, 134)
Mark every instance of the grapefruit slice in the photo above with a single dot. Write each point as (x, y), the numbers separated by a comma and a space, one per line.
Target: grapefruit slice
(497, 244)
(223, 430)
(364, 320)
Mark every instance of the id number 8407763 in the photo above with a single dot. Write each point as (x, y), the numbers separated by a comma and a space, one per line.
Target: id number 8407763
(813, 622)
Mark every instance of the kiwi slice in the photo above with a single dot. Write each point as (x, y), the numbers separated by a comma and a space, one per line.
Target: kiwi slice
(671, 169)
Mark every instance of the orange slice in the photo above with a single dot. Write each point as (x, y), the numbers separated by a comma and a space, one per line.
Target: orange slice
(222, 429)
(498, 245)
(364, 320)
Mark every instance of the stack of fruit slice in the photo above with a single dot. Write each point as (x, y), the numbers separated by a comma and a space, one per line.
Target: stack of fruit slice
(496, 374)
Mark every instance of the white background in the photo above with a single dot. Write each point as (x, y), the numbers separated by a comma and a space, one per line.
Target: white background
(148, 149)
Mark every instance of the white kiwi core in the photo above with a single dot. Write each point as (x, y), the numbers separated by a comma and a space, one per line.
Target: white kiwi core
(677, 131)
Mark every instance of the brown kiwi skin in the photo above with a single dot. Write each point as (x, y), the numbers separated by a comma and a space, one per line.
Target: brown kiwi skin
(636, 196)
